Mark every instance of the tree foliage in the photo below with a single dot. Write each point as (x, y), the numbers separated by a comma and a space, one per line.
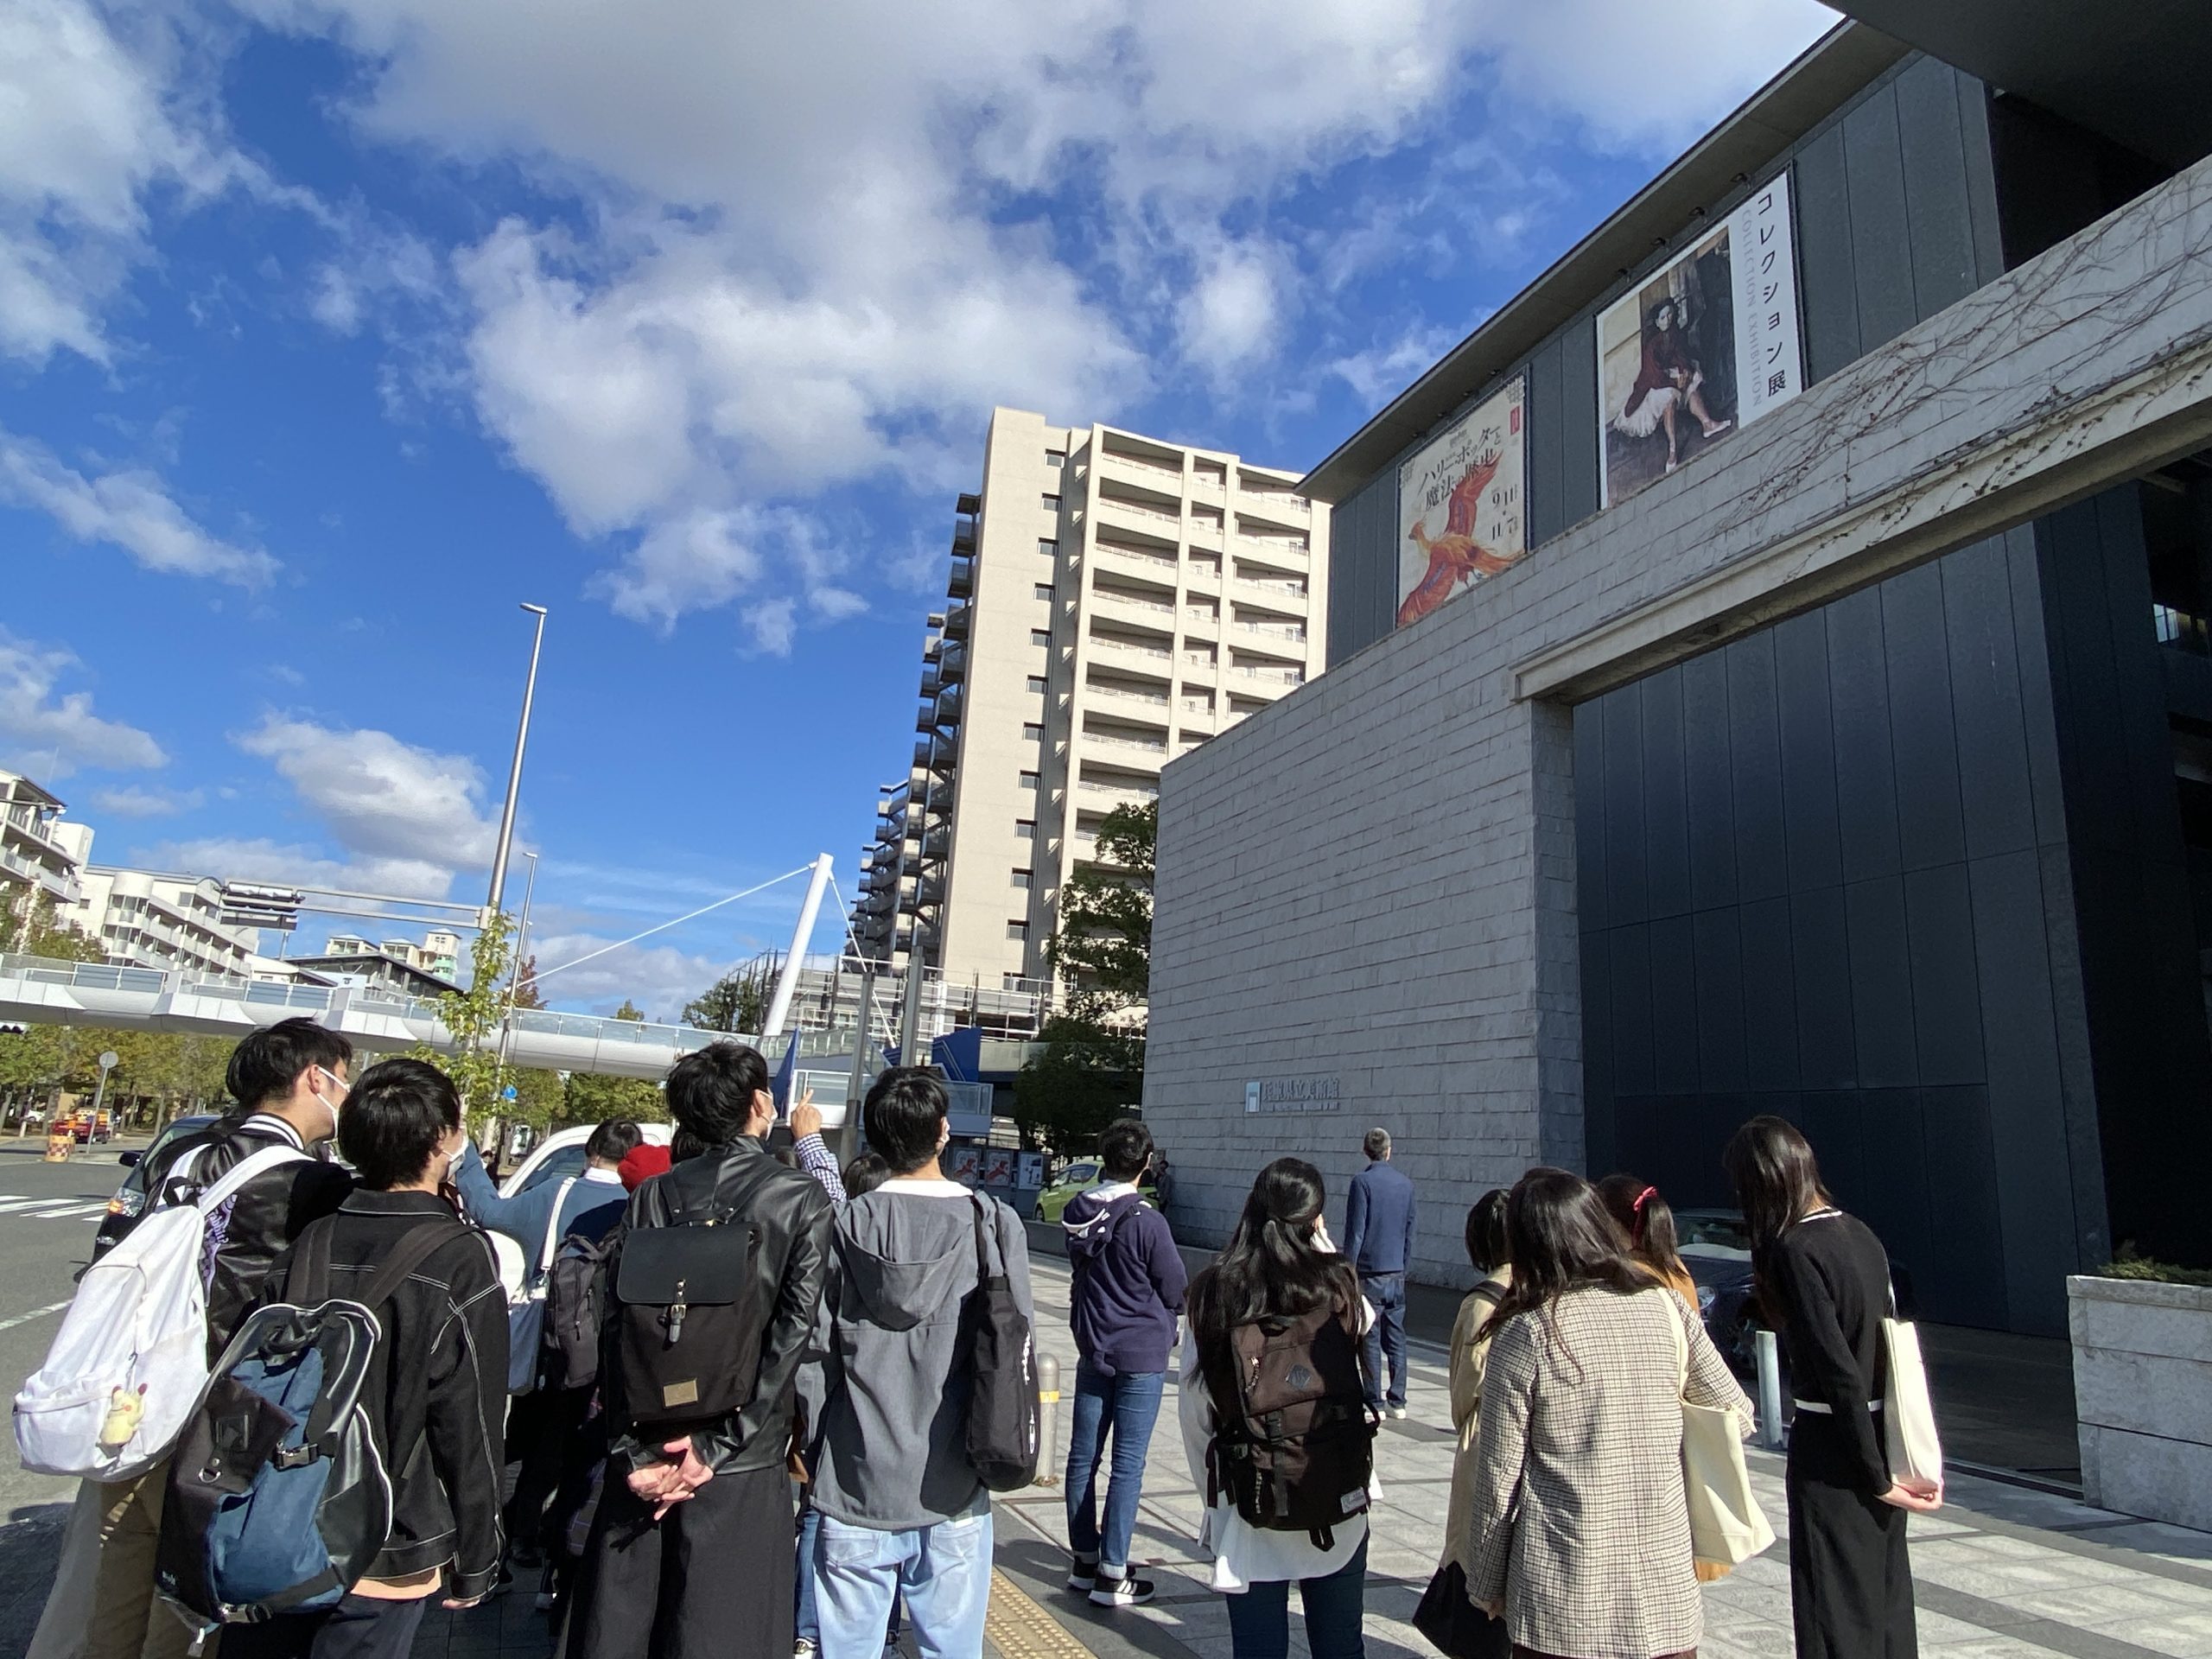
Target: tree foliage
(1086, 1070)
(594, 1099)
(1102, 943)
(33, 927)
(738, 1001)
(472, 1016)
(525, 993)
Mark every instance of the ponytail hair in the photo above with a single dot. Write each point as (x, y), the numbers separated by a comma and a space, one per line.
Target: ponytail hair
(1646, 1221)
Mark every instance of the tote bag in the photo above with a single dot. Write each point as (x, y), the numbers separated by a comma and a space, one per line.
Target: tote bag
(1908, 1414)
(526, 1313)
(1728, 1527)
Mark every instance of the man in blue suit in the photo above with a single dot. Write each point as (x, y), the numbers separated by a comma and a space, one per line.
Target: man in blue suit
(1379, 1240)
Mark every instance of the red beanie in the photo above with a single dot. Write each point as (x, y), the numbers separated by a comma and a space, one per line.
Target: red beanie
(641, 1165)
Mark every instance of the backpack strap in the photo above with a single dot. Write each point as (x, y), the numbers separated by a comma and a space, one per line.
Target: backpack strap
(553, 1228)
(417, 1247)
(255, 1163)
(983, 1253)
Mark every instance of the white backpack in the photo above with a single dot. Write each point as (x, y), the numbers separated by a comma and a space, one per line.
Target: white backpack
(129, 1362)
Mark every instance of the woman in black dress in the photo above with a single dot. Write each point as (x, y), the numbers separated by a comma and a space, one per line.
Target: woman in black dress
(1824, 1280)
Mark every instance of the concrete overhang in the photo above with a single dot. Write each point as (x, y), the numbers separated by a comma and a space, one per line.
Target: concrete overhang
(2136, 71)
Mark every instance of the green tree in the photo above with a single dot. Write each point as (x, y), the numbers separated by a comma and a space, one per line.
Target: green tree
(594, 1099)
(738, 1000)
(1102, 943)
(1086, 1070)
(33, 926)
(473, 1016)
(541, 1098)
(525, 993)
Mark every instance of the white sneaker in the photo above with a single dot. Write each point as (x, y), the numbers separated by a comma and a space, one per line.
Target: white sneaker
(1395, 1413)
(803, 1648)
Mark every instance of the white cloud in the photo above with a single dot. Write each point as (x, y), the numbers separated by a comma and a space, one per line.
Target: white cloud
(811, 245)
(660, 979)
(98, 113)
(51, 733)
(129, 510)
(132, 801)
(261, 859)
(381, 798)
(1380, 372)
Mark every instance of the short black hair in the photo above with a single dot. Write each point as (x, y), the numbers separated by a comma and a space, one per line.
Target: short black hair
(904, 1116)
(394, 1119)
(865, 1173)
(1486, 1238)
(267, 1063)
(710, 1091)
(1124, 1149)
(613, 1140)
(1377, 1145)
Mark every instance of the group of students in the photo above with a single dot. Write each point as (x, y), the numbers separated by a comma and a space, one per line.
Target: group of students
(1567, 1534)
(815, 1332)
(832, 1343)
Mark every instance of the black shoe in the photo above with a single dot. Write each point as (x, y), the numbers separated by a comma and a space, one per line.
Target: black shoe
(525, 1558)
(1081, 1576)
(1127, 1590)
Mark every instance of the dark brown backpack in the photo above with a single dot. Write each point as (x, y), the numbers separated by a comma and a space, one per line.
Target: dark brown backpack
(1294, 1449)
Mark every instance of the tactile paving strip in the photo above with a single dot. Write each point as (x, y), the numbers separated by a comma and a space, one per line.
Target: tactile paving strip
(1019, 1629)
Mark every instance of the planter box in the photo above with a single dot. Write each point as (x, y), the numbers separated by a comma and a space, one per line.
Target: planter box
(2143, 1393)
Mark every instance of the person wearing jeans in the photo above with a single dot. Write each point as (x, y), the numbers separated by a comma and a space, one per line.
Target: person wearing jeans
(903, 1511)
(1379, 1240)
(1259, 1619)
(1128, 1291)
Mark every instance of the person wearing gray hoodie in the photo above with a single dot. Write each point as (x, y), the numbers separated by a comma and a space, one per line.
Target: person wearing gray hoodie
(903, 1511)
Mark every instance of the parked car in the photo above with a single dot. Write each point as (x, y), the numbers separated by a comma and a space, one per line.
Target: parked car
(1716, 1246)
(87, 1128)
(1078, 1177)
(130, 1200)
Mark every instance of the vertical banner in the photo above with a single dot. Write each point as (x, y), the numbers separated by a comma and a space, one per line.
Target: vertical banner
(1704, 344)
(1464, 494)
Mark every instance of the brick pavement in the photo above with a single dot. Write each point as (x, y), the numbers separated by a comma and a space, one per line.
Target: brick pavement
(2003, 1573)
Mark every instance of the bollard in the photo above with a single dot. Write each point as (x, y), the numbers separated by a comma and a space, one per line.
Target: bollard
(1048, 1422)
(1769, 1390)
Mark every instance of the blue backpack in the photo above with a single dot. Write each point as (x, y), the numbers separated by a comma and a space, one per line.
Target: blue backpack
(278, 1499)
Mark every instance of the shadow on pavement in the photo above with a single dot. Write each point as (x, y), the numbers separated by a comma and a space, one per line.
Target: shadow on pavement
(30, 1543)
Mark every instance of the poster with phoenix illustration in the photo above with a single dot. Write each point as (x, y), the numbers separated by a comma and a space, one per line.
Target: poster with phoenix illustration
(1463, 494)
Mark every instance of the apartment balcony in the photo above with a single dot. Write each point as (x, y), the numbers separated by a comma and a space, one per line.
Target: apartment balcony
(922, 755)
(963, 536)
(1200, 707)
(1284, 677)
(1206, 530)
(933, 679)
(1204, 618)
(937, 843)
(925, 717)
(944, 753)
(952, 663)
(1129, 704)
(947, 707)
(1134, 659)
(1290, 554)
(962, 582)
(1144, 515)
(957, 619)
(1159, 474)
(1155, 612)
(1121, 749)
(1287, 587)
(1115, 794)
(1157, 566)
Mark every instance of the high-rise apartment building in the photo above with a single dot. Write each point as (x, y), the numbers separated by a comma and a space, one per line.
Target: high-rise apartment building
(40, 852)
(143, 918)
(1115, 600)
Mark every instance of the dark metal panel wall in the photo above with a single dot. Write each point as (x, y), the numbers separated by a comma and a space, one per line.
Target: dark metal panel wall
(1878, 965)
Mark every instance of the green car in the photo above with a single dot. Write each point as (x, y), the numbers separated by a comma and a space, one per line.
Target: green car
(1079, 1177)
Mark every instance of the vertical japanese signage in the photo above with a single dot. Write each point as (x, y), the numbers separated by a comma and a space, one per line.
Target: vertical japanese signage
(1464, 496)
(1700, 348)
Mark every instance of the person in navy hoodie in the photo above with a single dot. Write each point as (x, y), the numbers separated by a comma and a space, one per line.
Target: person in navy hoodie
(1127, 1296)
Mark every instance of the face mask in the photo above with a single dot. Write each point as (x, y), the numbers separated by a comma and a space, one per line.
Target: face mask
(332, 1080)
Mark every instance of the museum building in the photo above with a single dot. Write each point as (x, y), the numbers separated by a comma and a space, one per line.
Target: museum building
(1768, 671)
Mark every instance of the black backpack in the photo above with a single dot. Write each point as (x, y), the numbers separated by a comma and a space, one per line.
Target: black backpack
(575, 1303)
(1294, 1449)
(278, 1497)
(686, 1340)
(1002, 1402)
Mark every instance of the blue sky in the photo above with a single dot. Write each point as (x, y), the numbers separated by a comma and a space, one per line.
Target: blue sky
(331, 330)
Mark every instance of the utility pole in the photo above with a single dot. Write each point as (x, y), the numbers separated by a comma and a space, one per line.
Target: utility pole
(849, 1137)
(514, 771)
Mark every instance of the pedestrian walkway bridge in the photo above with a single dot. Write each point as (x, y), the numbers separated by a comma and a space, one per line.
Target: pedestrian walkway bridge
(39, 990)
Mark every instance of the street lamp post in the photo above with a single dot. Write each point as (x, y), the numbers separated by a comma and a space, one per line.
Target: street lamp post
(514, 771)
(514, 977)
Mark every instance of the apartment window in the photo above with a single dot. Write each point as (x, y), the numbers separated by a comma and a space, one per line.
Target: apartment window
(1021, 878)
(1041, 636)
(1033, 732)
(1045, 592)
(1037, 683)
(1050, 550)
(1056, 457)
(1025, 829)
(1017, 930)
(1029, 780)
(1051, 504)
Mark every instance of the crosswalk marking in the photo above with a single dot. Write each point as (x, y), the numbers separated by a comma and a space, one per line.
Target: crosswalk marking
(35, 1313)
(19, 1208)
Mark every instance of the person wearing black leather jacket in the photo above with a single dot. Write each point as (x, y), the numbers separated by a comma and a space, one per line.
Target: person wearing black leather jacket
(288, 1082)
(712, 1572)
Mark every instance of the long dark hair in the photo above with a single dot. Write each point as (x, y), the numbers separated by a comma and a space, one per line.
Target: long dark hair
(1776, 1177)
(1648, 1220)
(1270, 1269)
(1561, 1239)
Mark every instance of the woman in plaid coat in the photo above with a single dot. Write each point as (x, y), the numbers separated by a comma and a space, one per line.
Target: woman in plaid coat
(1580, 1532)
